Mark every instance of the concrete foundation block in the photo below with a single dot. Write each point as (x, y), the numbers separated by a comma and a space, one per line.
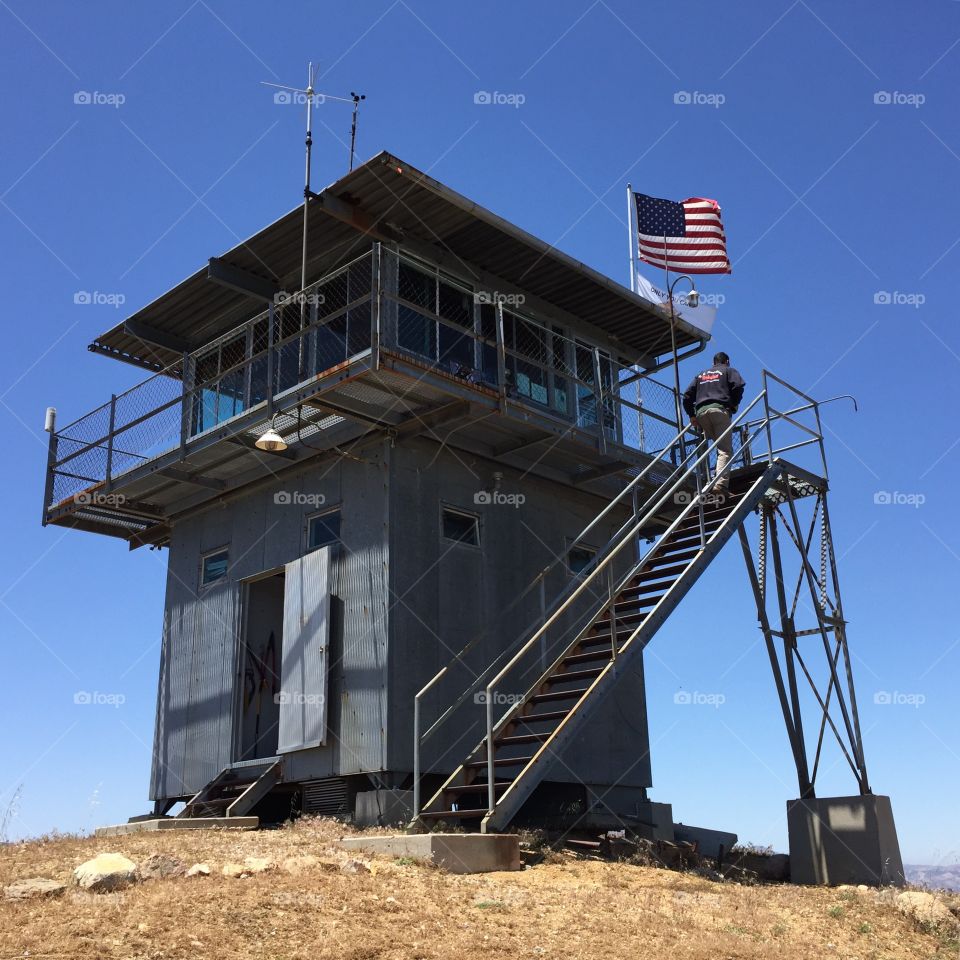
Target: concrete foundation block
(456, 852)
(175, 823)
(710, 843)
(837, 840)
(383, 808)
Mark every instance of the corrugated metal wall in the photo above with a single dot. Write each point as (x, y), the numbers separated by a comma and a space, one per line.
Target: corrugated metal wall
(444, 594)
(198, 677)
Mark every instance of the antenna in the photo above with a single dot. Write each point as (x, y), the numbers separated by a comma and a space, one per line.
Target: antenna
(309, 95)
(357, 97)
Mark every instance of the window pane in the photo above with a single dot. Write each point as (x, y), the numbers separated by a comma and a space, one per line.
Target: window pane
(214, 567)
(323, 530)
(461, 527)
(417, 287)
(456, 305)
(580, 558)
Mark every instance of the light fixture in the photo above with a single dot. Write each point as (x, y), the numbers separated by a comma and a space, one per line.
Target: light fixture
(271, 441)
(693, 298)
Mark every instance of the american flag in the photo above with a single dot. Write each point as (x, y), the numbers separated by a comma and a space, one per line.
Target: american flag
(695, 241)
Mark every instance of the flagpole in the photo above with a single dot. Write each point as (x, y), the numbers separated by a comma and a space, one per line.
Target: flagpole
(631, 238)
(673, 338)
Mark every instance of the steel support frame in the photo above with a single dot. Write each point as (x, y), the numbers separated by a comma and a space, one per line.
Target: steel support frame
(803, 589)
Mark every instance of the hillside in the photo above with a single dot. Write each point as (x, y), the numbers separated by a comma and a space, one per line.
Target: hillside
(301, 896)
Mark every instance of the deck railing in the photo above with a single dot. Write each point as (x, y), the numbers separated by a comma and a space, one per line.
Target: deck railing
(381, 301)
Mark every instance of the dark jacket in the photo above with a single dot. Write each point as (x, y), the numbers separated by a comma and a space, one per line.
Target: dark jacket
(720, 384)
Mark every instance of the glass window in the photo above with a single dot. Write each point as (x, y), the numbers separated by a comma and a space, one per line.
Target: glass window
(461, 527)
(579, 559)
(323, 530)
(214, 567)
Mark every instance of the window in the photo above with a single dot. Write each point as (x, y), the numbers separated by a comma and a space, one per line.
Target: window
(214, 567)
(579, 559)
(460, 527)
(323, 530)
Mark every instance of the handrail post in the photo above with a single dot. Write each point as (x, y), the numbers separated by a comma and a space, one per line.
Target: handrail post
(766, 417)
(52, 445)
(543, 617)
(613, 614)
(491, 790)
(501, 357)
(271, 339)
(598, 400)
(416, 757)
(376, 302)
(186, 404)
(113, 421)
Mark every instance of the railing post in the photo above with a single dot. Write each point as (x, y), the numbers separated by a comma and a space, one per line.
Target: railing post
(598, 399)
(491, 767)
(271, 338)
(613, 614)
(375, 305)
(766, 417)
(113, 420)
(543, 617)
(186, 403)
(52, 445)
(501, 358)
(416, 757)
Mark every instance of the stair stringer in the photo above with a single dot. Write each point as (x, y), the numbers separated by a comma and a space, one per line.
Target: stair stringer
(510, 801)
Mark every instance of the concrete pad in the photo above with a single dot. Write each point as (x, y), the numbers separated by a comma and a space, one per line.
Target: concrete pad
(175, 823)
(456, 852)
(837, 840)
(383, 808)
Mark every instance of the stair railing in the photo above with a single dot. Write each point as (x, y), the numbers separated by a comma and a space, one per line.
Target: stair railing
(640, 519)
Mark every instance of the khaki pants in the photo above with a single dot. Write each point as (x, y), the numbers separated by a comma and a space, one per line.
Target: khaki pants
(713, 423)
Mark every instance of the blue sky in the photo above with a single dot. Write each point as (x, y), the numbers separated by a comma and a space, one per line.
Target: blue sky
(829, 135)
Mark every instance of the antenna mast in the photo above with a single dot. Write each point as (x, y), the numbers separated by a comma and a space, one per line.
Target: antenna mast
(357, 97)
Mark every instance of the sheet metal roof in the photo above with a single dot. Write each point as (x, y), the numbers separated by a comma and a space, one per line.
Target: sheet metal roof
(396, 199)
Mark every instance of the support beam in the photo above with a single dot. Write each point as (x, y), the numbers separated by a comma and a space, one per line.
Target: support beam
(353, 215)
(236, 278)
(195, 478)
(242, 440)
(157, 338)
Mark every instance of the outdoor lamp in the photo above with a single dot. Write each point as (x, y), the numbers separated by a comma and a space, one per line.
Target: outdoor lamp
(271, 441)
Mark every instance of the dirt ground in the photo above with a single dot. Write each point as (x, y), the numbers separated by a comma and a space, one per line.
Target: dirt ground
(566, 907)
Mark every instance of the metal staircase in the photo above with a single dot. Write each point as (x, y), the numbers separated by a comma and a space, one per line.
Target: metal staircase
(234, 792)
(638, 592)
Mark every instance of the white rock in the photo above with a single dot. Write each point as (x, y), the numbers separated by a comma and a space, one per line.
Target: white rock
(33, 887)
(159, 866)
(926, 909)
(354, 866)
(199, 870)
(106, 872)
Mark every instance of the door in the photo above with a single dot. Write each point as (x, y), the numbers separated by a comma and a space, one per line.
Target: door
(305, 653)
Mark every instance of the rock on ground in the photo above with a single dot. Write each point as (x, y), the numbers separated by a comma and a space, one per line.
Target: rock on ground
(34, 887)
(250, 866)
(926, 909)
(354, 866)
(199, 870)
(106, 872)
(159, 866)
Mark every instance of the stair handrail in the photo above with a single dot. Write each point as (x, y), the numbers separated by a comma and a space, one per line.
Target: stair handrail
(540, 578)
(648, 513)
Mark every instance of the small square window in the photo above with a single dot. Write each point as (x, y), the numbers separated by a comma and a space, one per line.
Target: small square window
(460, 527)
(214, 567)
(579, 559)
(323, 530)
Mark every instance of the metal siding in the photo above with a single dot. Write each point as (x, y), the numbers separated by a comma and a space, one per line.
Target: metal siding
(450, 592)
(196, 693)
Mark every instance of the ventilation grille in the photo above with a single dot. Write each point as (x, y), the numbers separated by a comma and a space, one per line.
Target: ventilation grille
(325, 796)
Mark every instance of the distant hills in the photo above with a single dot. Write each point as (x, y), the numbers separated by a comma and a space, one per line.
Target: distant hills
(945, 877)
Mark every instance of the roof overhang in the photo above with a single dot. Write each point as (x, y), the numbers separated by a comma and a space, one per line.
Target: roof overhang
(387, 199)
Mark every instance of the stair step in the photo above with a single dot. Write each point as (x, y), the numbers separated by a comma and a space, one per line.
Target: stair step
(603, 653)
(632, 620)
(521, 738)
(575, 675)
(631, 603)
(498, 762)
(659, 561)
(538, 717)
(559, 695)
(454, 814)
(672, 572)
(479, 786)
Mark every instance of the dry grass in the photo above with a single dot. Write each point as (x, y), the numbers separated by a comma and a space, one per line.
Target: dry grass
(401, 909)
